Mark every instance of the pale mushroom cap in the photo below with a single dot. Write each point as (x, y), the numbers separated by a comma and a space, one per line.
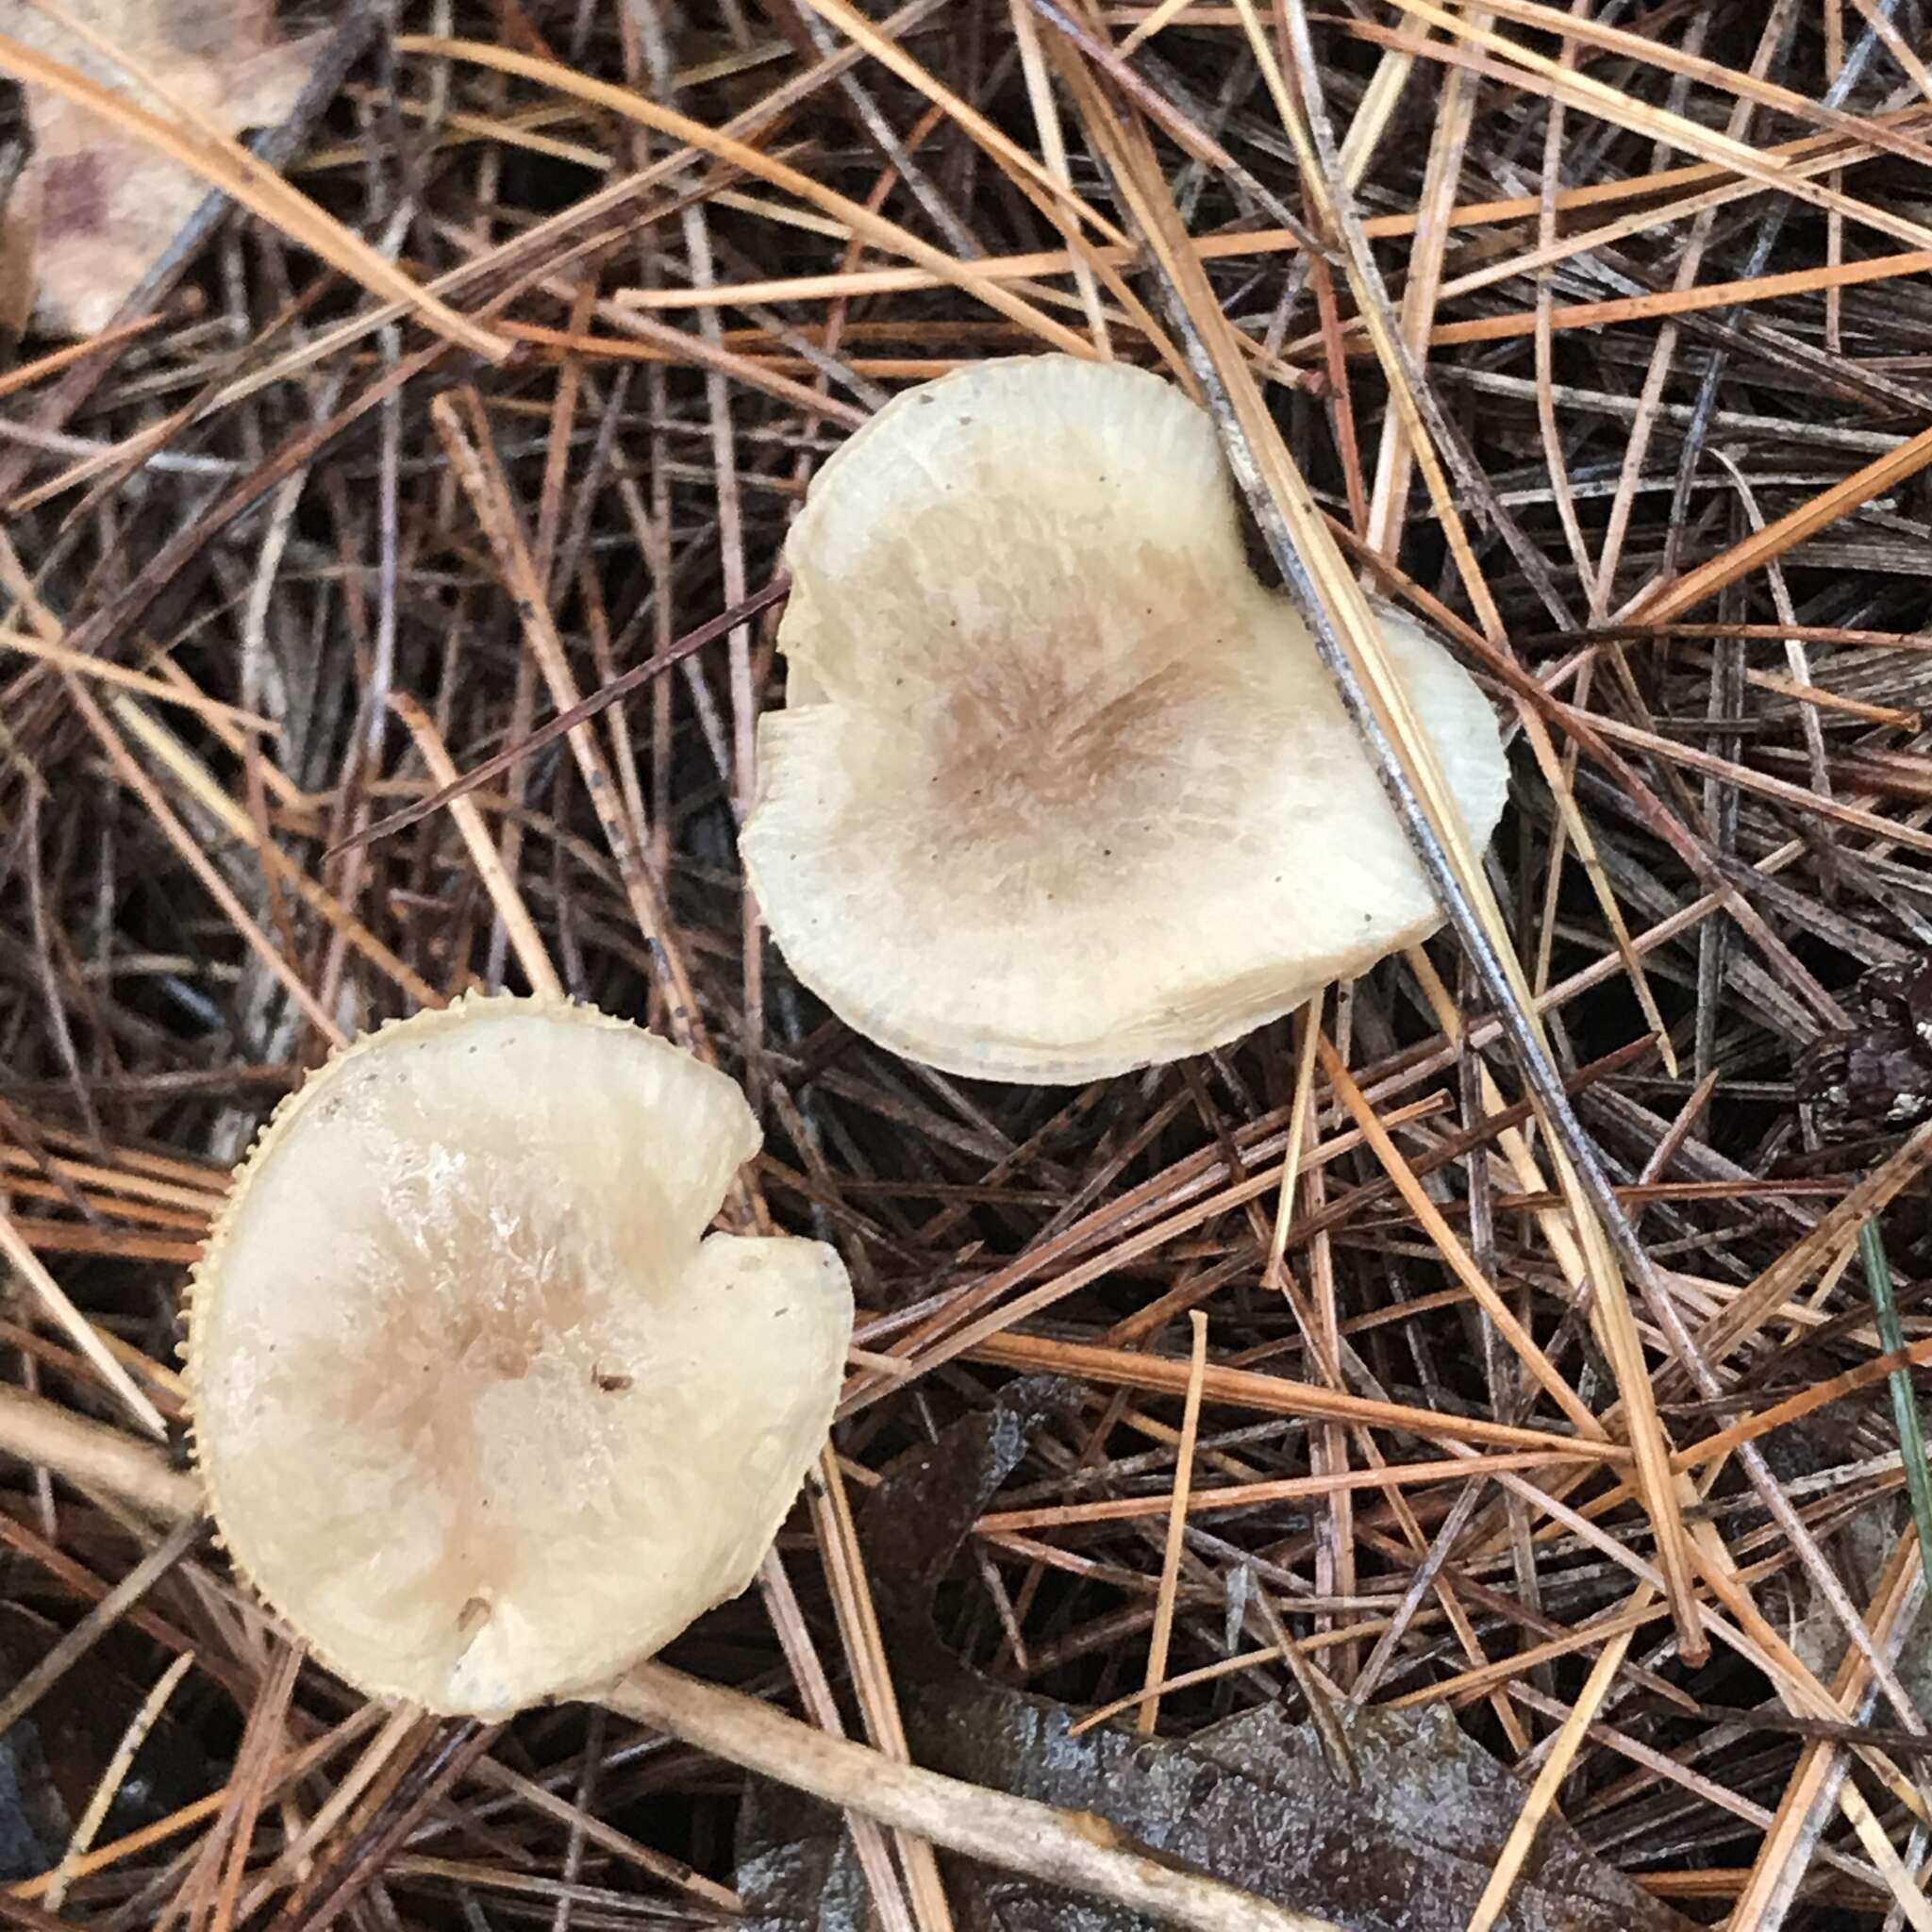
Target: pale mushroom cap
(481, 1410)
(1059, 788)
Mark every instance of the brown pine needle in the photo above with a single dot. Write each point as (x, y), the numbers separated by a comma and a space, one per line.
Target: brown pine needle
(1732, 566)
(53, 1301)
(1550, 1775)
(111, 1778)
(1273, 1394)
(1149, 1714)
(530, 952)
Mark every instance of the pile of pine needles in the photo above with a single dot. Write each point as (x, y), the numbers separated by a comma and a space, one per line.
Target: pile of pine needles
(387, 601)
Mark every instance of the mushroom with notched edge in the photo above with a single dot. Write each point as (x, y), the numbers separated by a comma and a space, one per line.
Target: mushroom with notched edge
(1059, 788)
(481, 1409)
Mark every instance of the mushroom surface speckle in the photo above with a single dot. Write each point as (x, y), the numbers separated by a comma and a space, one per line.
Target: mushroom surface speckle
(481, 1410)
(1060, 790)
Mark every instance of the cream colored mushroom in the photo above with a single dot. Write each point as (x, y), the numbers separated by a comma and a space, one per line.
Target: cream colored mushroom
(1059, 788)
(481, 1409)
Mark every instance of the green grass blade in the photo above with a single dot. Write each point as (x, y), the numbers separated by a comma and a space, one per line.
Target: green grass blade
(1905, 1405)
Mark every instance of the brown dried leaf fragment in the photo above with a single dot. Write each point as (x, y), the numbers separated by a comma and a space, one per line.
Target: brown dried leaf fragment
(96, 208)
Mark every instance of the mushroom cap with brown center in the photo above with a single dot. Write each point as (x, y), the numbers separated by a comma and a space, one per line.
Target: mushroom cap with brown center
(482, 1411)
(1059, 788)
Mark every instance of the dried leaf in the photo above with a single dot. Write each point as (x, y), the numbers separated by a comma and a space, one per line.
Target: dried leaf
(1405, 1848)
(96, 206)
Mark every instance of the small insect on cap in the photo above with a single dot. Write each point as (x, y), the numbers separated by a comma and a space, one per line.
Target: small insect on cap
(1059, 788)
(481, 1410)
